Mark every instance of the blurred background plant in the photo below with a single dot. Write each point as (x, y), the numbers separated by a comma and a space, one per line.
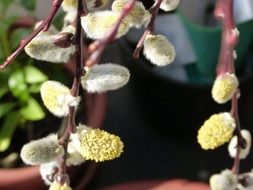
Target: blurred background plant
(20, 103)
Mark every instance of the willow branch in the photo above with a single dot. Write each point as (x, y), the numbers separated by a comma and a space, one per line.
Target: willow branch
(149, 29)
(96, 48)
(43, 26)
(78, 41)
(230, 37)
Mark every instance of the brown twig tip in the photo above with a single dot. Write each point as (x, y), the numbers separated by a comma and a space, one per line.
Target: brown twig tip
(63, 40)
(149, 29)
(43, 26)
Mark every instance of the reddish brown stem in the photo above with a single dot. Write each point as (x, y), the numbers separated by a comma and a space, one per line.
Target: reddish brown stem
(150, 28)
(98, 46)
(230, 37)
(43, 26)
(78, 41)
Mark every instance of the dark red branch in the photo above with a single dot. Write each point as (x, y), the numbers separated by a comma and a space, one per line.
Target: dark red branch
(78, 41)
(43, 26)
(230, 37)
(97, 47)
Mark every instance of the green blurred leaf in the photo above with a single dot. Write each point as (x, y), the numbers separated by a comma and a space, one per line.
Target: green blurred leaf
(29, 4)
(7, 130)
(17, 35)
(3, 91)
(18, 85)
(6, 107)
(34, 88)
(34, 75)
(32, 111)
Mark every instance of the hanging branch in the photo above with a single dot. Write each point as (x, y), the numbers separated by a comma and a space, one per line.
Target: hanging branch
(150, 28)
(96, 48)
(230, 37)
(78, 41)
(56, 4)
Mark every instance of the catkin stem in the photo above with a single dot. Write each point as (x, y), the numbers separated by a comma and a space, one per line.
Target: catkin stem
(97, 47)
(43, 26)
(150, 28)
(230, 37)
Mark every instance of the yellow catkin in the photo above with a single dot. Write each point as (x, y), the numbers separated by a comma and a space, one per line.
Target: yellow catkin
(224, 87)
(216, 131)
(57, 186)
(100, 145)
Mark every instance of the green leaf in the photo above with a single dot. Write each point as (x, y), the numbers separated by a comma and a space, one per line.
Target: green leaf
(6, 107)
(34, 88)
(34, 75)
(18, 85)
(3, 90)
(7, 130)
(32, 111)
(29, 4)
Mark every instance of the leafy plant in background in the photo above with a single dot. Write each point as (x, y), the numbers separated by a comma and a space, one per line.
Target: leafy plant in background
(20, 83)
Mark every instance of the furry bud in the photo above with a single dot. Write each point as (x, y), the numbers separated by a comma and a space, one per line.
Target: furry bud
(159, 50)
(57, 98)
(216, 131)
(42, 47)
(97, 24)
(48, 170)
(101, 78)
(169, 5)
(226, 180)
(137, 17)
(224, 87)
(42, 150)
(243, 151)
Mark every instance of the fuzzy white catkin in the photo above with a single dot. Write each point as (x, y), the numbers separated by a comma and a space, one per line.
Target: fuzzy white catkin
(57, 98)
(158, 50)
(104, 77)
(169, 5)
(247, 179)
(42, 151)
(137, 17)
(47, 171)
(74, 147)
(233, 143)
(97, 24)
(42, 48)
(226, 180)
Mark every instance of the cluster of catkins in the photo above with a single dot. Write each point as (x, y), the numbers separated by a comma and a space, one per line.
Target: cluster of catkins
(87, 143)
(219, 129)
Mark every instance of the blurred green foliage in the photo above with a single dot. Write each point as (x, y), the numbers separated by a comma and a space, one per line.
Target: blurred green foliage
(20, 82)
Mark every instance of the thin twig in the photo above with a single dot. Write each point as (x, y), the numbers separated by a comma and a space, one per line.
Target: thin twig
(150, 28)
(98, 46)
(78, 41)
(230, 37)
(43, 26)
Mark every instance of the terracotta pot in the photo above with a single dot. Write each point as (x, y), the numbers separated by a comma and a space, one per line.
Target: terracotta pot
(177, 184)
(29, 177)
